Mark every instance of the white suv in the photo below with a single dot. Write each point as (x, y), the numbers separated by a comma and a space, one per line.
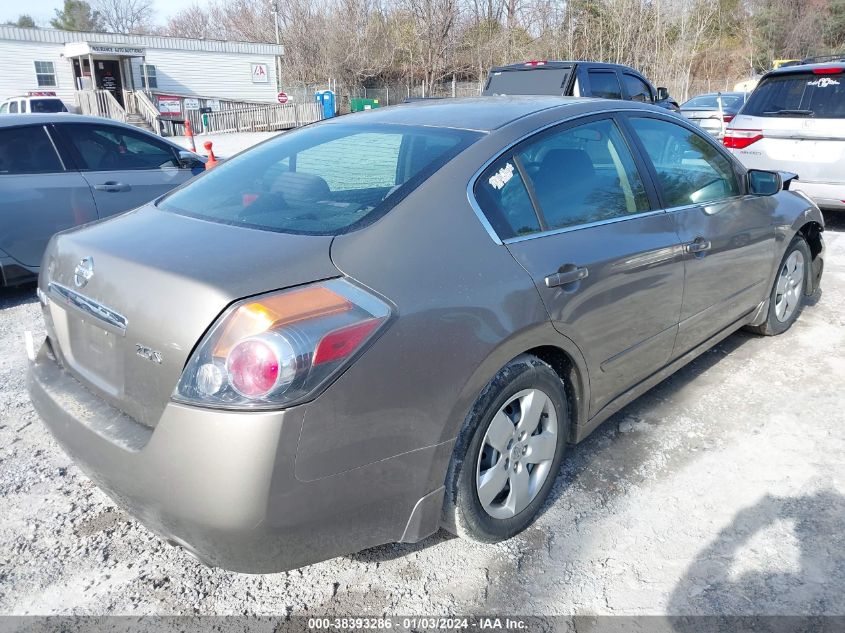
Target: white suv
(794, 121)
(41, 102)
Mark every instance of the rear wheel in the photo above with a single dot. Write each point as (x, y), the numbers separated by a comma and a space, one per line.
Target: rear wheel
(787, 296)
(508, 453)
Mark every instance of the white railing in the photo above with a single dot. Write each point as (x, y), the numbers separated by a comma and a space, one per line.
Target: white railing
(100, 103)
(139, 103)
(264, 118)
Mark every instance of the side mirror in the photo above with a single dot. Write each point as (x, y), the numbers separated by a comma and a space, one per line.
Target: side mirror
(189, 160)
(662, 93)
(764, 183)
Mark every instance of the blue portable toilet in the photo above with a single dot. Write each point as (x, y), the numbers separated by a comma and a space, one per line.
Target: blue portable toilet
(326, 98)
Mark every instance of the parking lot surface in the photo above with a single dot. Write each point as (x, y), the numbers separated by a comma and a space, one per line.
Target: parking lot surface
(722, 491)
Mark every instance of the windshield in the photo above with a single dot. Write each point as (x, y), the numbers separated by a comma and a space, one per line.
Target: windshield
(534, 81)
(708, 102)
(47, 105)
(321, 180)
(799, 95)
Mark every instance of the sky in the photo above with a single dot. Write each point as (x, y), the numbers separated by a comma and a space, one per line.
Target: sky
(43, 10)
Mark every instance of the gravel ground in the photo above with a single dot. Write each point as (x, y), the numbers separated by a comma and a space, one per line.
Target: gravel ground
(722, 491)
(225, 144)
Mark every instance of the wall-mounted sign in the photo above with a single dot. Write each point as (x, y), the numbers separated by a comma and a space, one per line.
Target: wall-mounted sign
(108, 49)
(169, 105)
(192, 104)
(214, 104)
(259, 74)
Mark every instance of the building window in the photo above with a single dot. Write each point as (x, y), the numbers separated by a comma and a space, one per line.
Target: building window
(148, 71)
(45, 73)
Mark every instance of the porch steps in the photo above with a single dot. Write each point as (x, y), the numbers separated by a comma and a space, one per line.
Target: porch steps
(139, 121)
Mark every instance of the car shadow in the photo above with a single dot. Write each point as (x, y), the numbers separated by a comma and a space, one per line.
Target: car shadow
(778, 553)
(17, 295)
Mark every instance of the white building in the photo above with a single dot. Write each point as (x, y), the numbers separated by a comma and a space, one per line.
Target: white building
(165, 67)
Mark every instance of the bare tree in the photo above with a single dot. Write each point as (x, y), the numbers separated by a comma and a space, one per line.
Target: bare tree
(126, 16)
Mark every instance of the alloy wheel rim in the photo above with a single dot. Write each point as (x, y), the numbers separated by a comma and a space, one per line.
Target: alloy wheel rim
(516, 454)
(789, 287)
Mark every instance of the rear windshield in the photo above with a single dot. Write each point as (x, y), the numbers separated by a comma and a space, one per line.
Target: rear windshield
(707, 102)
(46, 105)
(321, 180)
(536, 81)
(799, 95)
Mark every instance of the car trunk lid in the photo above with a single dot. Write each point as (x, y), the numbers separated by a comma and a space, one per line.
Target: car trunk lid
(156, 282)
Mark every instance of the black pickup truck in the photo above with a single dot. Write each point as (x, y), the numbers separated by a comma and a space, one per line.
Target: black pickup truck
(576, 79)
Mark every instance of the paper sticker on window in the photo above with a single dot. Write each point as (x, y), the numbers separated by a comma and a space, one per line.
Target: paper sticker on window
(501, 177)
(823, 82)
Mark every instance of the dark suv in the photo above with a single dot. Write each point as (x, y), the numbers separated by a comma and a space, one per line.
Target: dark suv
(576, 79)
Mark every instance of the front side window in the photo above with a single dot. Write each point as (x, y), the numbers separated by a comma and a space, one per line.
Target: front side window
(45, 74)
(321, 180)
(689, 168)
(27, 150)
(604, 84)
(637, 89)
(108, 148)
(47, 105)
(13, 107)
(804, 95)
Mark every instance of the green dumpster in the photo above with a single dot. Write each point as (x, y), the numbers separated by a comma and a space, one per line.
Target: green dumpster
(358, 105)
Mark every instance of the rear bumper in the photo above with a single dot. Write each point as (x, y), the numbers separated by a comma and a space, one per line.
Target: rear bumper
(825, 195)
(222, 485)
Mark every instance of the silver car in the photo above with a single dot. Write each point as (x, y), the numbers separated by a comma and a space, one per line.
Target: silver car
(794, 121)
(58, 171)
(714, 111)
(387, 323)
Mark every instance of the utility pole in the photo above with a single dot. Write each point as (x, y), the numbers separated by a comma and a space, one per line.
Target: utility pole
(274, 8)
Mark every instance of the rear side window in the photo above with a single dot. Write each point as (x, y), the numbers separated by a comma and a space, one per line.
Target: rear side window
(110, 148)
(27, 150)
(800, 95)
(637, 89)
(604, 84)
(501, 193)
(690, 170)
(321, 180)
(577, 176)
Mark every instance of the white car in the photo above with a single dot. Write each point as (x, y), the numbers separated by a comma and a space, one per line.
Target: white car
(39, 102)
(794, 121)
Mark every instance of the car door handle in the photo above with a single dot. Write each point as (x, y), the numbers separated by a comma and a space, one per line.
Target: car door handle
(699, 245)
(567, 275)
(112, 186)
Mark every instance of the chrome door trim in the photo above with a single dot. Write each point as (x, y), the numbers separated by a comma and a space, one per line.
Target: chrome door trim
(578, 227)
(90, 307)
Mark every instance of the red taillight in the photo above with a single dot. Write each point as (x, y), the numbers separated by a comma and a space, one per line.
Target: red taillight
(341, 343)
(279, 349)
(536, 62)
(829, 70)
(740, 139)
(253, 367)
(727, 118)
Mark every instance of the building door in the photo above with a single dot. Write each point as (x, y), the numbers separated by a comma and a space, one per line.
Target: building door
(109, 78)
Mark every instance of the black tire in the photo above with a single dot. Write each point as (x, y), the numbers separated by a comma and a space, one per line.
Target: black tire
(773, 325)
(464, 513)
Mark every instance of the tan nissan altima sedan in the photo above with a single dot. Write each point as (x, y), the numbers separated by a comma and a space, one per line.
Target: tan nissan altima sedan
(387, 323)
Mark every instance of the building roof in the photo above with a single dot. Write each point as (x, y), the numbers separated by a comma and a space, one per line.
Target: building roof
(55, 36)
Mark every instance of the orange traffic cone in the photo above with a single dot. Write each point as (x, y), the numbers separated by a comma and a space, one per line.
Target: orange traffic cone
(189, 132)
(212, 161)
